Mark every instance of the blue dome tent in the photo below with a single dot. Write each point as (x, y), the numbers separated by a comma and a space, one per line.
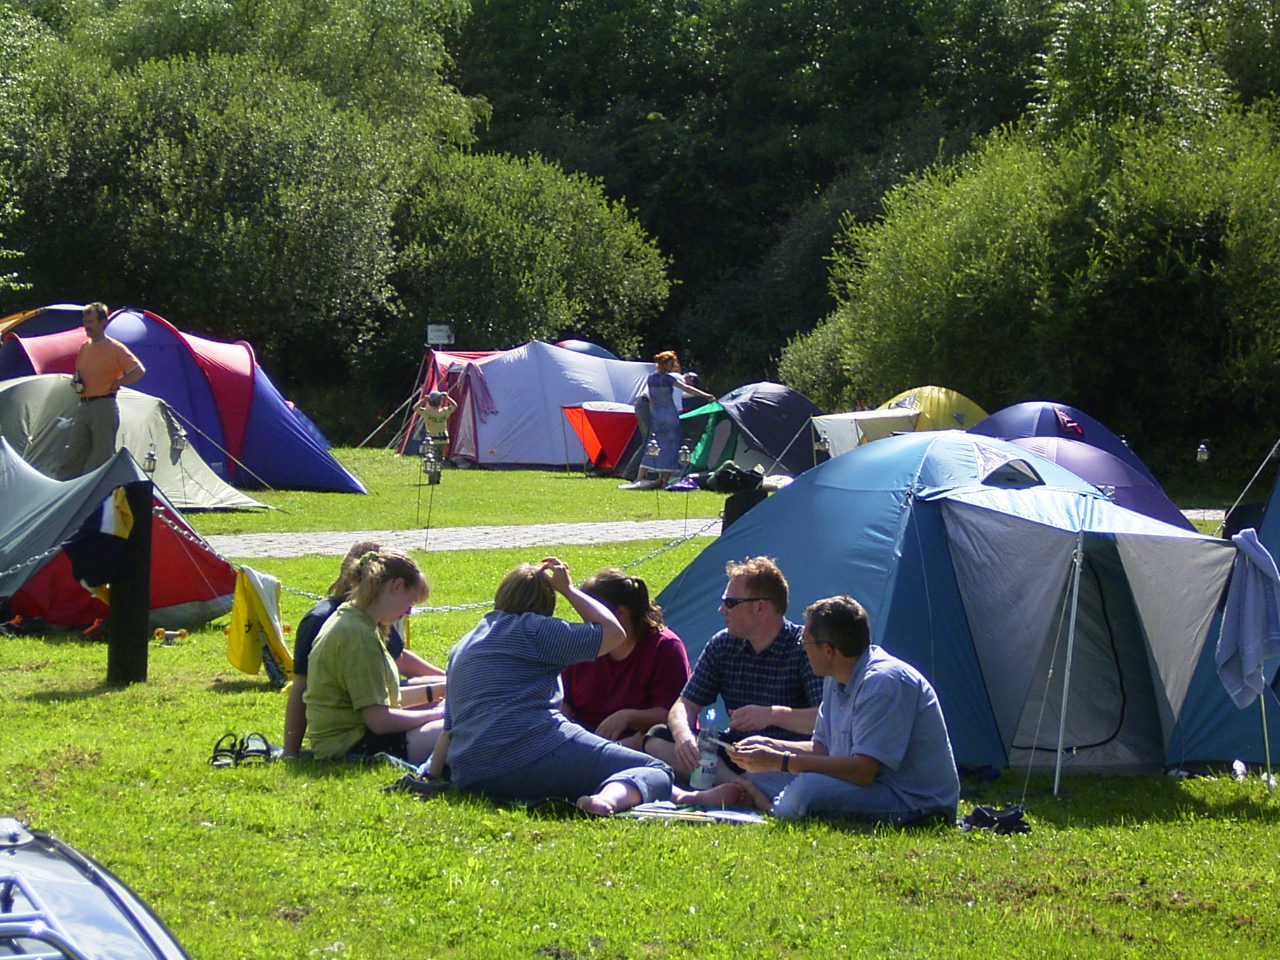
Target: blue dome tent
(986, 567)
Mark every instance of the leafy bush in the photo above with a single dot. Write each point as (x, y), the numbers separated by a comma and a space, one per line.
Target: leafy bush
(216, 191)
(1128, 272)
(508, 250)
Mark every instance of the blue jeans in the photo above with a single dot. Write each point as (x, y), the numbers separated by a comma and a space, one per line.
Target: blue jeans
(796, 796)
(580, 766)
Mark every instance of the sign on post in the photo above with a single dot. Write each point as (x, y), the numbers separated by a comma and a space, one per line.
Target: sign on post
(439, 335)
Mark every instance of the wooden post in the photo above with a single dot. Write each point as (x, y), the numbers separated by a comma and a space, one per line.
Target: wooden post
(127, 642)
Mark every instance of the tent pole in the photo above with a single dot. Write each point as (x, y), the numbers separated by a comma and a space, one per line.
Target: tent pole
(1077, 563)
(1266, 740)
(1275, 449)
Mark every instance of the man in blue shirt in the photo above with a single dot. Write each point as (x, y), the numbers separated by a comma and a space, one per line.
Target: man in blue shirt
(880, 750)
(756, 664)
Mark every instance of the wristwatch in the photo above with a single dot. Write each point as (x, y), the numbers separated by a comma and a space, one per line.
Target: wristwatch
(786, 761)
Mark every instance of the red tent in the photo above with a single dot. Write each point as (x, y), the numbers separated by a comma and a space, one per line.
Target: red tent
(604, 428)
(190, 584)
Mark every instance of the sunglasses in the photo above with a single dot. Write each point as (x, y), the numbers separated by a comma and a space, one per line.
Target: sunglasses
(731, 602)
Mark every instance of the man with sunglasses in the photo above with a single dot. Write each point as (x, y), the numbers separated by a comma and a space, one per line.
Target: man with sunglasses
(756, 665)
(879, 751)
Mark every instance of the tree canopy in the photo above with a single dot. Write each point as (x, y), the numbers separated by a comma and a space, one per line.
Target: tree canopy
(1014, 197)
(1117, 249)
(300, 174)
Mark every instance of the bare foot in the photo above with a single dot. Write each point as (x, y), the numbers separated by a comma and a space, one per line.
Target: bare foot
(756, 797)
(731, 794)
(596, 805)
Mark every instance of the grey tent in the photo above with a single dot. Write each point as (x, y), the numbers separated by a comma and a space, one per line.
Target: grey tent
(41, 515)
(35, 413)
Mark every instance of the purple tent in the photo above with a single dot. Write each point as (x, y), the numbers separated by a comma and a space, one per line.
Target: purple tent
(1114, 477)
(1043, 418)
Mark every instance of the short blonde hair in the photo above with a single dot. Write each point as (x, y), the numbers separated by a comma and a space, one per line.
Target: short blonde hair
(764, 580)
(526, 589)
(97, 308)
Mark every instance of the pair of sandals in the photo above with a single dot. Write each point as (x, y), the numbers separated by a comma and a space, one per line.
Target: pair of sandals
(231, 750)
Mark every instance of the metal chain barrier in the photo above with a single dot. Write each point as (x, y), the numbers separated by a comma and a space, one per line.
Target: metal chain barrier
(39, 558)
(673, 544)
(454, 608)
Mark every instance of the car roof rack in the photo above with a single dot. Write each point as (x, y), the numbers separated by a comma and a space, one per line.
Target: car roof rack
(56, 903)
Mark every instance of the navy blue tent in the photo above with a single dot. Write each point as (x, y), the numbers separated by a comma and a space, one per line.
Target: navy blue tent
(1118, 479)
(758, 423)
(1042, 418)
(988, 568)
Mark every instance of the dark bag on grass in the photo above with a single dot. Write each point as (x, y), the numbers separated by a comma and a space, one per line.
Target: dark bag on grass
(1008, 820)
(731, 478)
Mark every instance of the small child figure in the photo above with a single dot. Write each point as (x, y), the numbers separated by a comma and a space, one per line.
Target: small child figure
(435, 411)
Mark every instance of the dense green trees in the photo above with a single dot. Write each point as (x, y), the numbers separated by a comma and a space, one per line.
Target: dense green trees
(326, 177)
(298, 173)
(228, 197)
(513, 249)
(1120, 252)
(1124, 268)
(739, 129)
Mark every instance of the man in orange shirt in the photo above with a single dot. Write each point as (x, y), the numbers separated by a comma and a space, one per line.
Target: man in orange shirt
(103, 366)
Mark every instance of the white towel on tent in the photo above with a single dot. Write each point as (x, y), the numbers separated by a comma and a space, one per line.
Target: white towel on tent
(1250, 635)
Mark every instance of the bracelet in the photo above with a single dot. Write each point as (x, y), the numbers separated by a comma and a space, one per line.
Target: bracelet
(431, 692)
(786, 761)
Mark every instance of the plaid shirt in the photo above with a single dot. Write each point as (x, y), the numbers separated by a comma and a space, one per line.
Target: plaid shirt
(779, 675)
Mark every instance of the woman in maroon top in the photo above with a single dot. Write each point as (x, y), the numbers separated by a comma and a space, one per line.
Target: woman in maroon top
(624, 692)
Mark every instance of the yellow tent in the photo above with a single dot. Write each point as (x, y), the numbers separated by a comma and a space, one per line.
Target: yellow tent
(255, 638)
(940, 408)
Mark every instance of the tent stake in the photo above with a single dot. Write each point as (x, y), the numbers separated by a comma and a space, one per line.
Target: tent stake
(1077, 563)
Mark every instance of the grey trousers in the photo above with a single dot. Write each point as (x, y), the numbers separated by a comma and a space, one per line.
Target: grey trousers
(91, 442)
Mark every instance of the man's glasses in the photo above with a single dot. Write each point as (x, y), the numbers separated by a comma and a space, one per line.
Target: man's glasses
(731, 602)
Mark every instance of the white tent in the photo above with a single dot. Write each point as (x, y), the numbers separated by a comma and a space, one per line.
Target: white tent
(510, 402)
(844, 431)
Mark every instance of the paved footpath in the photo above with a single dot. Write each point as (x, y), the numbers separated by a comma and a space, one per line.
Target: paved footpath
(487, 538)
(461, 538)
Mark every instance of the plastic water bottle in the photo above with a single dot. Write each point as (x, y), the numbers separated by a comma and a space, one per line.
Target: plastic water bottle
(703, 776)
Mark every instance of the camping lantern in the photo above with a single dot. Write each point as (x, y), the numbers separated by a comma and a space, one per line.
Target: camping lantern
(180, 441)
(684, 455)
(822, 444)
(149, 461)
(1202, 451)
(430, 465)
(652, 451)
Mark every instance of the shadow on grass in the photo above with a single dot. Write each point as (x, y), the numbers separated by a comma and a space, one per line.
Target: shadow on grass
(83, 693)
(218, 685)
(1092, 801)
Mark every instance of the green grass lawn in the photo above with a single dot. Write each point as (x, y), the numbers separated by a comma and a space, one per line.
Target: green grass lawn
(399, 498)
(296, 860)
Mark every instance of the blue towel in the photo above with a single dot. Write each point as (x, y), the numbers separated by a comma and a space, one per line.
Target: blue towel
(1249, 643)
